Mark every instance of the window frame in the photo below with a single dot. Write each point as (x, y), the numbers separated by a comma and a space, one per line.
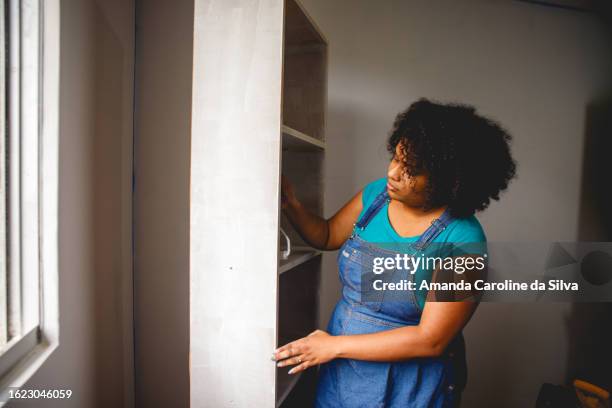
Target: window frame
(32, 227)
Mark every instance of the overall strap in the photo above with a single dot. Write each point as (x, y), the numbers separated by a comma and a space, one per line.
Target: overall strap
(437, 226)
(372, 210)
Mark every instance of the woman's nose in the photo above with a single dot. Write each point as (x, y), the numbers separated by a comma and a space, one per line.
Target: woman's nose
(394, 172)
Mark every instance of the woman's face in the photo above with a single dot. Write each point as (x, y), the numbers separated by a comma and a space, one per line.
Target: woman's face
(400, 186)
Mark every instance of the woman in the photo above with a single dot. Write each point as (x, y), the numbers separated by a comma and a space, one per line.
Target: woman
(447, 163)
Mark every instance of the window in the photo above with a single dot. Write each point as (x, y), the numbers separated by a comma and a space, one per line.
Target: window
(29, 67)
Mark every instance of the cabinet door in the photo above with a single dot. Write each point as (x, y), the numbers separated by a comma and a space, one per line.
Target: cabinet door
(235, 173)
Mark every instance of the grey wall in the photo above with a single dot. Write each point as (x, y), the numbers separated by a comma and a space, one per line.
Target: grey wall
(534, 69)
(94, 358)
(164, 47)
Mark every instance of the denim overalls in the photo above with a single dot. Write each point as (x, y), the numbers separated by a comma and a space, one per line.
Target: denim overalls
(414, 383)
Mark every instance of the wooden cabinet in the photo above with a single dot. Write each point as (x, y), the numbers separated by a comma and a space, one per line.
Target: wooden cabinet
(258, 110)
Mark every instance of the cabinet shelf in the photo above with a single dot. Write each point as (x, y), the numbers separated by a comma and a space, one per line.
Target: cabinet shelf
(298, 256)
(295, 140)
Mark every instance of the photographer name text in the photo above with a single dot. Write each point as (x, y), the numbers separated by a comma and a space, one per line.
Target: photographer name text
(479, 285)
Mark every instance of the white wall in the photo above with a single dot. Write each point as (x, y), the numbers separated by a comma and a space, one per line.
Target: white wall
(534, 69)
(94, 358)
(164, 48)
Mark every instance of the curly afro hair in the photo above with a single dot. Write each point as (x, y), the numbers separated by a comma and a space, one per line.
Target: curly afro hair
(466, 156)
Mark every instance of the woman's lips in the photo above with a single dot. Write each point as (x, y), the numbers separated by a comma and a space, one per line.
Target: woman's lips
(390, 187)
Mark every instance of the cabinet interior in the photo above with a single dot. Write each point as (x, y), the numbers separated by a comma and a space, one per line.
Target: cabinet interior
(303, 147)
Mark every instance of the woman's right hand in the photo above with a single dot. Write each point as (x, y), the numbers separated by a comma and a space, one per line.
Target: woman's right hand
(288, 198)
(317, 231)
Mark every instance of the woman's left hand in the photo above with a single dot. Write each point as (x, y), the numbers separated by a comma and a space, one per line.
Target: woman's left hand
(317, 348)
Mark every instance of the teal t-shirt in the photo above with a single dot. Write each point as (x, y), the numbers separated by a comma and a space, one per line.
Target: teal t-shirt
(380, 231)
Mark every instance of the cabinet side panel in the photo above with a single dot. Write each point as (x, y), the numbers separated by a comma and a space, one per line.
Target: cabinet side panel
(235, 165)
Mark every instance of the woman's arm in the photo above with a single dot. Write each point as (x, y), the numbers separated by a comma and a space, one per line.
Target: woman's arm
(440, 322)
(316, 231)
